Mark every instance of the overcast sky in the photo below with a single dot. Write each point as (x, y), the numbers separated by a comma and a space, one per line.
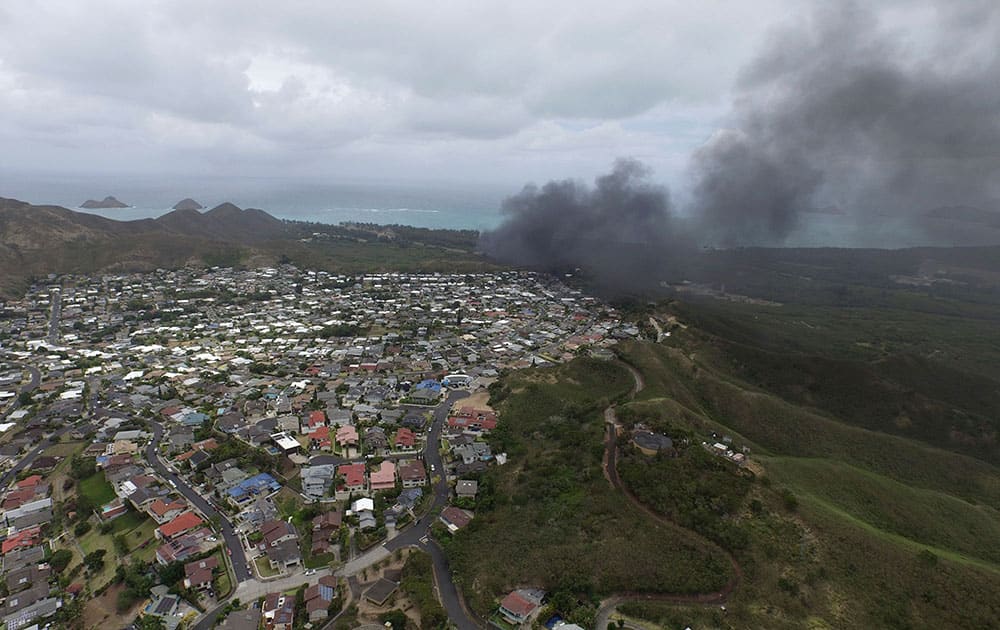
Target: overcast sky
(476, 91)
(486, 91)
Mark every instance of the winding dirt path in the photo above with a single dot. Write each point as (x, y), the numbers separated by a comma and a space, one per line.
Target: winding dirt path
(610, 460)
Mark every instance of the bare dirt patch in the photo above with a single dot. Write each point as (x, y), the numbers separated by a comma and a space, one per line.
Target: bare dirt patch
(100, 611)
(478, 400)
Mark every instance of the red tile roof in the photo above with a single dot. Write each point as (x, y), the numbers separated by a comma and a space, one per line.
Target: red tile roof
(159, 507)
(29, 482)
(518, 605)
(181, 524)
(353, 474)
(404, 437)
(24, 538)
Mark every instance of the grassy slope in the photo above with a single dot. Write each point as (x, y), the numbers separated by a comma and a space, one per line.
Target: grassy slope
(782, 428)
(923, 516)
(97, 489)
(906, 395)
(557, 523)
(869, 503)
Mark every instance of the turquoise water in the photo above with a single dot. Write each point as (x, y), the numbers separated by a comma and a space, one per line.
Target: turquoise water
(455, 206)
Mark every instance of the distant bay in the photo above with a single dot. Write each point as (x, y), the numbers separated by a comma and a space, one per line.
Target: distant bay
(460, 206)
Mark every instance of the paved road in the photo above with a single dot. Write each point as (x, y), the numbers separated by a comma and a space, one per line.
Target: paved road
(252, 590)
(435, 466)
(413, 536)
(31, 455)
(32, 385)
(228, 533)
(56, 299)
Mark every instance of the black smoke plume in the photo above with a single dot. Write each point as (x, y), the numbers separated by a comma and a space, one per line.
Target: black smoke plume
(834, 112)
(615, 229)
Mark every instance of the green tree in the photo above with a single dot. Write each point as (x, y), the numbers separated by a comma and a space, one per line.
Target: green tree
(150, 622)
(60, 559)
(94, 561)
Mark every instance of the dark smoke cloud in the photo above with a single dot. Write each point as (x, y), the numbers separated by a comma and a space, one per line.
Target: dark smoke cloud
(837, 112)
(615, 228)
(834, 112)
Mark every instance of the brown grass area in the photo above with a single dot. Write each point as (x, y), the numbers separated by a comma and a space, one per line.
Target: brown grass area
(478, 400)
(100, 611)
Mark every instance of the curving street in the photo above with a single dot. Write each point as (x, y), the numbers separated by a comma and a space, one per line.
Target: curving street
(418, 534)
(228, 533)
(415, 536)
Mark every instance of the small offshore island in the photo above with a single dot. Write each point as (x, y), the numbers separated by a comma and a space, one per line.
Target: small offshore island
(107, 202)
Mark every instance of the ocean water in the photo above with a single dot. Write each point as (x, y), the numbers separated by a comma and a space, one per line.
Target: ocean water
(432, 205)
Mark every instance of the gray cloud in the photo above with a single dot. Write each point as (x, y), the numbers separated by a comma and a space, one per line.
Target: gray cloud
(838, 110)
(507, 86)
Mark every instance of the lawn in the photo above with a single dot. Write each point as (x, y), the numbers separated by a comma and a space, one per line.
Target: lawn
(92, 541)
(223, 583)
(264, 567)
(65, 450)
(97, 489)
(143, 535)
(127, 522)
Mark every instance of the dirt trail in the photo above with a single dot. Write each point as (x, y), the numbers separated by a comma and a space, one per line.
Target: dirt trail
(611, 474)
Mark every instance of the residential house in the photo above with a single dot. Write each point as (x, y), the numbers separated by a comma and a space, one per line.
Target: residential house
(183, 546)
(285, 442)
(318, 598)
(405, 440)
(354, 480)
(317, 480)
(376, 442)
(245, 491)
(163, 512)
(26, 577)
(278, 611)
(455, 518)
(319, 438)
(179, 525)
(198, 575)
(347, 437)
(474, 420)
(23, 539)
(384, 478)
(339, 417)
(466, 489)
(230, 423)
(412, 473)
(280, 544)
(324, 528)
(242, 620)
(518, 606)
(364, 509)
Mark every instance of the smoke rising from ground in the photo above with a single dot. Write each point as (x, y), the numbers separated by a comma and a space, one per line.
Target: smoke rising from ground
(617, 226)
(834, 112)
